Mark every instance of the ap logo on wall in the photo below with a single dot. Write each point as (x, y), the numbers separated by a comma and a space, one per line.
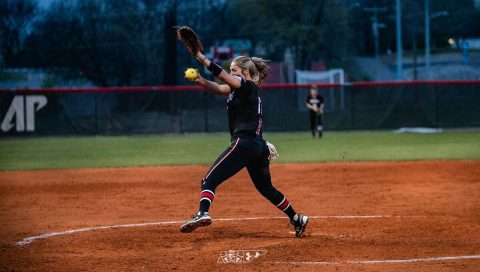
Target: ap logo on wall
(22, 112)
(240, 256)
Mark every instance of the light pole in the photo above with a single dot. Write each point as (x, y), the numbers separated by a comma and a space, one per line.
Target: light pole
(428, 17)
(398, 12)
(375, 26)
(427, 38)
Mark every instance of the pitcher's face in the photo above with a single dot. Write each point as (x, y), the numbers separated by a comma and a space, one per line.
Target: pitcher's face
(237, 71)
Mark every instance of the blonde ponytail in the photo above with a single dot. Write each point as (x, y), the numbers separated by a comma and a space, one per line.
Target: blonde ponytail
(262, 69)
(257, 67)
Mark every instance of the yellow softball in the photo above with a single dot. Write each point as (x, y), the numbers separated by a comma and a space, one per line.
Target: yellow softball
(191, 74)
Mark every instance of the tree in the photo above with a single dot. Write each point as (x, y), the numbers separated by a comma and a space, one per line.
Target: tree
(16, 15)
(211, 19)
(122, 42)
(312, 30)
(170, 53)
(110, 42)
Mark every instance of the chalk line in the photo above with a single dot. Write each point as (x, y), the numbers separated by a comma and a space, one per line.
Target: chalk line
(28, 240)
(435, 259)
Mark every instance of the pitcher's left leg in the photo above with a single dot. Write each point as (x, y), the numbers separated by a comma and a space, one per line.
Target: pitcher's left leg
(260, 175)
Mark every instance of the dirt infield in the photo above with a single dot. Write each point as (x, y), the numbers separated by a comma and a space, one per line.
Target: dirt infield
(389, 216)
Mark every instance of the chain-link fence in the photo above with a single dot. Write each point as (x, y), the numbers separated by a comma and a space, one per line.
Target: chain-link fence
(359, 106)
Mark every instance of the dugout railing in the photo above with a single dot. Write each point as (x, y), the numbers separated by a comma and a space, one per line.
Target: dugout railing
(184, 109)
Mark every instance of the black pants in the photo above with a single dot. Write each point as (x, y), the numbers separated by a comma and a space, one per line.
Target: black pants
(316, 123)
(251, 153)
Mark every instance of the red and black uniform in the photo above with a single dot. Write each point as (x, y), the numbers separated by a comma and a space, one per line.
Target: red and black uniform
(316, 118)
(247, 149)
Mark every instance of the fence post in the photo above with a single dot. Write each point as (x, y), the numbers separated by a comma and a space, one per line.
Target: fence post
(437, 124)
(352, 100)
(95, 99)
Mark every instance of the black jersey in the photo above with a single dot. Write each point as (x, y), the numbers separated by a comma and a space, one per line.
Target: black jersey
(245, 111)
(317, 101)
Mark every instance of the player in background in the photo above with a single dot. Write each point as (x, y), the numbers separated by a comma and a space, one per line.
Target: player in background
(315, 104)
(248, 148)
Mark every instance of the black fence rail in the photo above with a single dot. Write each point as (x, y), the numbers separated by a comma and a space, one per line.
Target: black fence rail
(179, 109)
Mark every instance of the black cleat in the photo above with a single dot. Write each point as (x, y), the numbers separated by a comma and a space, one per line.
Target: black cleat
(199, 220)
(300, 225)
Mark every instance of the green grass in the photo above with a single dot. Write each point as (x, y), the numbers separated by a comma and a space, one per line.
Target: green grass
(118, 151)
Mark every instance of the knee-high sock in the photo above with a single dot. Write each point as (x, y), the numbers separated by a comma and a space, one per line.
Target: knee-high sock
(206, 199)
(285, 207)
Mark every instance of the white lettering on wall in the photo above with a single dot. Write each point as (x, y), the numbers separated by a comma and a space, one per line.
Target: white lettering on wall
(23, 109)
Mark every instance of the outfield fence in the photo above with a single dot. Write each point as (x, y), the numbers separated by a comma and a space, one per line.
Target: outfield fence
(183, 109)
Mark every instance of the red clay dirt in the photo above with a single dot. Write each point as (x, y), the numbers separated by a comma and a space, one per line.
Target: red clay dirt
(425, 216)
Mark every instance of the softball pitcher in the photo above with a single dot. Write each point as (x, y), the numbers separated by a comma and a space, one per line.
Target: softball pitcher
(247, 149)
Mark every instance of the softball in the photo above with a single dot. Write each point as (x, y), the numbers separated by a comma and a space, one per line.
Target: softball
(191, 74)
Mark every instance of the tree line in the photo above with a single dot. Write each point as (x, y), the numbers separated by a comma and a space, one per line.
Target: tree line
(133, 42)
